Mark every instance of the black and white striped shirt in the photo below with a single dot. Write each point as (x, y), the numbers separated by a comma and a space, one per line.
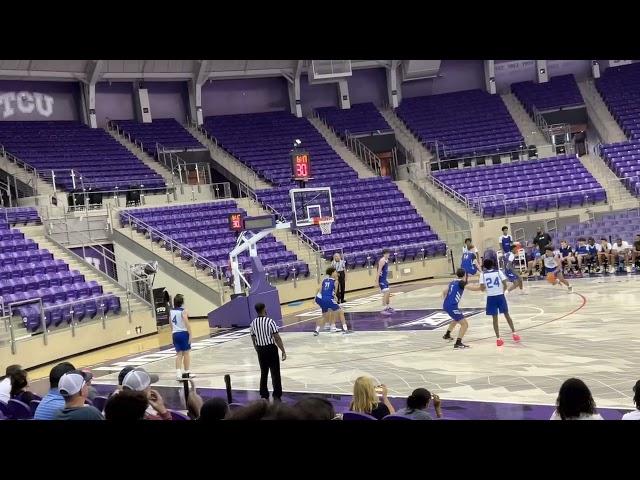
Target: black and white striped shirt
(263, 329)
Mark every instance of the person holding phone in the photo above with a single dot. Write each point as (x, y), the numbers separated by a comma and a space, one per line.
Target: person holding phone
(267, 341)
(365, 398)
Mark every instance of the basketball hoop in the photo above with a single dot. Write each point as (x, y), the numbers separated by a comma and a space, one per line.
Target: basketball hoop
(324, 223)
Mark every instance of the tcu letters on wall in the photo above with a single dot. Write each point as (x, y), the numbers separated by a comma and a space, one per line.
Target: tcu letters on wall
(25, 102)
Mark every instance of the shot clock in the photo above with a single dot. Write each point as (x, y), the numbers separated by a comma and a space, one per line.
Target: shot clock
(301, 166)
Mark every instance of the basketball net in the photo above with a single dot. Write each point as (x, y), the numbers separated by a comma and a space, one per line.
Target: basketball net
(324, 223)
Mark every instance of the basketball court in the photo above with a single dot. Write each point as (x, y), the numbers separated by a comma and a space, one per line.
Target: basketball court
(590, 334)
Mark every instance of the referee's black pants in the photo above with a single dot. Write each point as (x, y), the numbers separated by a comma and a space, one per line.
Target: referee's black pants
(269, 360)
(341, 286)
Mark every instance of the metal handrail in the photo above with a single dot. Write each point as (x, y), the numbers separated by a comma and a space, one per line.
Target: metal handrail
(448, 190)
(195, 258)
(361, 151)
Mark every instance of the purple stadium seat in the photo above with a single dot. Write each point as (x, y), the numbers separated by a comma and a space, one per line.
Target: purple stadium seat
(357, 416)
(18, 410)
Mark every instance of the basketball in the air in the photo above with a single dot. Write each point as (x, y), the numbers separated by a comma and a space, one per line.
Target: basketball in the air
(551, 278)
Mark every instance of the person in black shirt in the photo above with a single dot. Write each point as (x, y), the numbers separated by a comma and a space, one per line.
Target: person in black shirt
(542, 239)
(365, 399)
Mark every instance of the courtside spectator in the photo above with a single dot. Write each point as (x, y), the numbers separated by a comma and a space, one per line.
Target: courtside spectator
(93, 393)
(20, 387)
(73, 387)
(575, 402)
(139, 380)
(5, 382)
(315, 408)
(365, 399)
(417, 404)
(635, 415)
(53, 402)
(127, 406)
(281, 411)
(252, 411)
(213, 410)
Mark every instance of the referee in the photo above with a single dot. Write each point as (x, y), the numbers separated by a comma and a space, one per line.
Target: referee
(265, 337)
(339, 264)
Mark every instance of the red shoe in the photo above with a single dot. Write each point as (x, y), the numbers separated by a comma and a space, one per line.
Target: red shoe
(516, 337)
(499, 342)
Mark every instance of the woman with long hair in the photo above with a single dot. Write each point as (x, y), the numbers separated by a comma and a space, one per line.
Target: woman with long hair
(575, 402)
(20, 388)
(365, 398)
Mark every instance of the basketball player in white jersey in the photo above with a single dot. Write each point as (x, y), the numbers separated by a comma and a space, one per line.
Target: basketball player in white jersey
(181, 328)
(553, 265)
(494, 283)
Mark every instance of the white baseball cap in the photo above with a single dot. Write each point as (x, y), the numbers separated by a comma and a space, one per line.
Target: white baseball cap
(72, 382)
(138, 380)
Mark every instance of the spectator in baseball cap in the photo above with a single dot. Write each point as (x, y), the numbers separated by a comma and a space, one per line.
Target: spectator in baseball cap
(139, 380)
(74, 389)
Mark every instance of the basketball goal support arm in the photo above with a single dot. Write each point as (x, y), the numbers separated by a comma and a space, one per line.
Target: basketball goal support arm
(245, 243)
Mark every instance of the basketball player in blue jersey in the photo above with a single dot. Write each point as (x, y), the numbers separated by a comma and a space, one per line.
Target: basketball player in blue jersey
(509, 270)
(494, 283)
(553, 265)
(467, 245)
(326, 300)
(505, 241)
(452, 296)
(566, 255)
(469, 261)
(383, 270)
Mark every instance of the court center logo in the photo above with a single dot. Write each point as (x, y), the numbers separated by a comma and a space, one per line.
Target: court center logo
(433, 319)
(26, 102)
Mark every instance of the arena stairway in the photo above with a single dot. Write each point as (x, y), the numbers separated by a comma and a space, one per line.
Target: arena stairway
(340, 148)
(599, 114)
(37, 234)
(526, 125)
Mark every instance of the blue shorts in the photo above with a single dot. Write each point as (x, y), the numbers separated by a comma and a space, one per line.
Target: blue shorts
(471, 270)
(512, 277)
(181, 341)
(497, 304)
(326, 305)
(384, 285)
(455, 314)
(550, 270)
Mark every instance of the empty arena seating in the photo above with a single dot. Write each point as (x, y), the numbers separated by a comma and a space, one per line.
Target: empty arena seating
(619, 87)
(92, 154)
(361, 118)
(263, 142)
(370, 214)
(625, 224)
(28, 273)
(166, 131)
(472, 122)
(558, 92)
(20, 215)
(514, 188)
(204, 229)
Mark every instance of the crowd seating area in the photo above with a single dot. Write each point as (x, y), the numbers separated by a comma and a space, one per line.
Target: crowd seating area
(28, 272)
(471, 122)
(370, 215)
(509, 189)
(626, 224)
(558, 92)
(619, 87)
(204, 229)
(168, 132)
(98, 160)
(361, 118)
(264, 141)
(20, 215)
